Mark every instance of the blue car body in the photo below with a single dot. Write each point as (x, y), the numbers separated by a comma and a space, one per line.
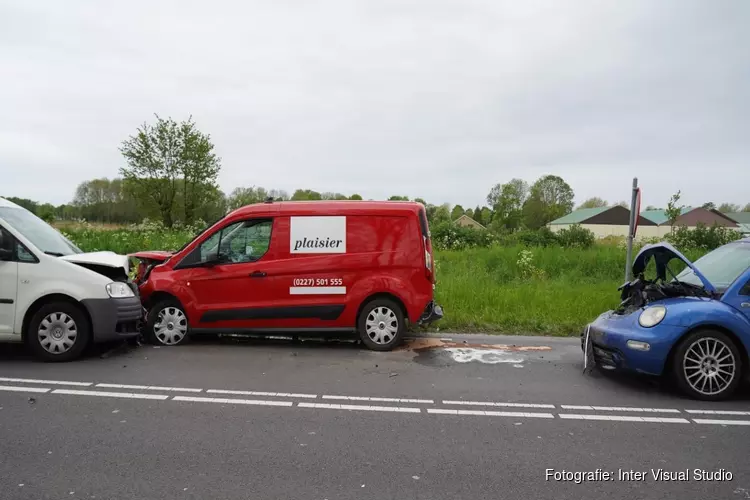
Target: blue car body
(725, 307)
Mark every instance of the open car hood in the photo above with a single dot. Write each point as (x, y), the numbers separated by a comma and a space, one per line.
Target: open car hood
(662, 253)
(152, 255)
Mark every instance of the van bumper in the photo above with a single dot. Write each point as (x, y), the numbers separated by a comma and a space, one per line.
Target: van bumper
(113, 319)
(433, 312)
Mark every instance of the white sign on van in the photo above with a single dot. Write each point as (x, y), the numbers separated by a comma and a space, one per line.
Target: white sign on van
(326, 234)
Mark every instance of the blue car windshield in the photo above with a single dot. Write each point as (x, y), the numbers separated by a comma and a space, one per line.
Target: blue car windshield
(721, 266)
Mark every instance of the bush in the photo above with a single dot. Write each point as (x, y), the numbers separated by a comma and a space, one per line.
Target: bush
(576, 237)
(702, 237)
(449, 236)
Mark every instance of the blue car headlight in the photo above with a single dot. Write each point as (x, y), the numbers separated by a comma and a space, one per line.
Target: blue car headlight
(652, 316)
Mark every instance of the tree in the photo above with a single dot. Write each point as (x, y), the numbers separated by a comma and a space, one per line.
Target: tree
(398, 198)
(240, 197)
(729, 208)
(420, 200)
(332, 196)
(442, 213)
(746, 208)
(550, 197)
(673, 210)
(651, 207)
(507, 202)
(356, 197)
(161, 154)
(623, 203)
(485, 216)
(469, 212)
(594, 202)
(457, 212)
(306, 194)
(709, 206)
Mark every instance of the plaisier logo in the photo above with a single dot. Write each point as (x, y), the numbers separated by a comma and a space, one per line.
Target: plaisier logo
(324, 234)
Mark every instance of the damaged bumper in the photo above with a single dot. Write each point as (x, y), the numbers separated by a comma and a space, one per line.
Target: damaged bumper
(114, 319)
(433, 312)
(617, 342)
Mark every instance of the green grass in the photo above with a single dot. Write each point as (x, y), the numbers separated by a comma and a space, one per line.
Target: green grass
(553, 290)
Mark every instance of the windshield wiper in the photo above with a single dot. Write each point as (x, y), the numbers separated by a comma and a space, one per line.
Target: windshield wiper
(55, 254)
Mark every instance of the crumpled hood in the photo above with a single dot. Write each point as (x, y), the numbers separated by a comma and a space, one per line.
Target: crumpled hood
(662, 253)
(106, 258)
(154, 255)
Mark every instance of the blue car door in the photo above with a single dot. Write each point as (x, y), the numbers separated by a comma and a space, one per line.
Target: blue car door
(738, 295)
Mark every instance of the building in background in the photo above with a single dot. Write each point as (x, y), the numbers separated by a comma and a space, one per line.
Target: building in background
(466, 221)
(742, 219)
(603, 221)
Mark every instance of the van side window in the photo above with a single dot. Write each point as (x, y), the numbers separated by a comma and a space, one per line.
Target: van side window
(243, 241)
(7, 246)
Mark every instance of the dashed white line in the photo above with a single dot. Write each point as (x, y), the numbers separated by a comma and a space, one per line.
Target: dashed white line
(49, 382)
(624, 418)
(257, 393)
(397, 409)
(148, 387)
(720, 422)
(508, 405)
(127, 395)
(232, 401)
(382, 400)
(11, 388)
(719, 412)
(619, 408)
(488, 413)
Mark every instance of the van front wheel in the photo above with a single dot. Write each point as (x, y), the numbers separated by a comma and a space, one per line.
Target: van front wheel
(381, 325)
(58, 331)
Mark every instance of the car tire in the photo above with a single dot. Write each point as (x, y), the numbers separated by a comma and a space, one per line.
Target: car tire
(167, 324)
(58, 332)
(381, 325)
(702, 363)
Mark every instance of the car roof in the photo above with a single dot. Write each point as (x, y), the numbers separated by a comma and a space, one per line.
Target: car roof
(332, 207)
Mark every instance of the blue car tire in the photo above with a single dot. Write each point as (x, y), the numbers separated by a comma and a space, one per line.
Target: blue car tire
(707, 365)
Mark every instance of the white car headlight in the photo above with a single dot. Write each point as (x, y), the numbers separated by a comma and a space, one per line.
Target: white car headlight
(652, 316)
(119, 290)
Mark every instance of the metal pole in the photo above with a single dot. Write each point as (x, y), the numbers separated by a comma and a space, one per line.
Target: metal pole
(633, 215)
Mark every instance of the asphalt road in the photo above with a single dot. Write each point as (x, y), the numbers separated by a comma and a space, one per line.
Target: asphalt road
(228, 419)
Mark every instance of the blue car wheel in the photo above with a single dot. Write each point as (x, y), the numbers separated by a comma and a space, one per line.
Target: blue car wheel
(707, 365)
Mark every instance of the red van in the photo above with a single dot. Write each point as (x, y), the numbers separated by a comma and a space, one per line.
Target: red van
(298, 266)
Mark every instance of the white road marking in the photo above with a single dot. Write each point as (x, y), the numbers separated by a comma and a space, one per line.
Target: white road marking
(719, 412)
(317, 290)
(127, 395)
(619, 408)
(509, 405)
(624, 418)
(397, 409)
(720, 422)
(51, 382)
(383, 400)
(257, 393)
(232, 401)
(441, 411)
(11, 388)
(148, 387)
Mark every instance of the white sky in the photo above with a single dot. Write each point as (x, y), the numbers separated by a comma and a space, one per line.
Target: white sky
(438, 99)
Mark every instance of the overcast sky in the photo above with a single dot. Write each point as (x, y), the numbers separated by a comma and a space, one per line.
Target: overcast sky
(437, 99)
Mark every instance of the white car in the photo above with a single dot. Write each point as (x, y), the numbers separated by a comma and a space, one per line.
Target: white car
(56, 298)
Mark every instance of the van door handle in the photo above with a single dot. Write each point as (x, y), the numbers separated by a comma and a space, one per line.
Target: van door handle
(257, 274)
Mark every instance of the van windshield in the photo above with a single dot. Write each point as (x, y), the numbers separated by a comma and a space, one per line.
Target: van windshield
(39, 233)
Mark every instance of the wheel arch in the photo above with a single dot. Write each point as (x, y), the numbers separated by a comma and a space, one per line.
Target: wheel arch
(159, 296)
(46, 299)
(383, 295)
(741, 347)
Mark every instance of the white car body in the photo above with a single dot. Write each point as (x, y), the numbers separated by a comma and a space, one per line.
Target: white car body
(31, 276)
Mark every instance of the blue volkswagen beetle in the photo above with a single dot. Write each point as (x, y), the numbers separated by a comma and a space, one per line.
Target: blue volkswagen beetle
(693, 326)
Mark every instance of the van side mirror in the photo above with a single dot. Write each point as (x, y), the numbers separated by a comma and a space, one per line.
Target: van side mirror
(6, 255)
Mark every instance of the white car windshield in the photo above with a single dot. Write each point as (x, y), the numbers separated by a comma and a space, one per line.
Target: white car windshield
(39, 233)
(720, 267)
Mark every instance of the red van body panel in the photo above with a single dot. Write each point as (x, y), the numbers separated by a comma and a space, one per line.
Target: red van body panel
(324, 260)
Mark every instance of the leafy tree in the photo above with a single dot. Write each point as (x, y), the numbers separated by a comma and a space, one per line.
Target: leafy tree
(709, 206)
(746, 208)
(729, 208)
(332, 196)
(507, 202)
(469, 212)
(441, 214)
(651, 207)
(29, 205)
(550, 197)
(279, 195)
(246, 196)
(355, 197)
(420, 200)
(158, 155)
(485, 216)
(46, 212)
(306, 194)
(398, 198)
(673, 210)
(457, 212)
(594, 202)
(623, 203)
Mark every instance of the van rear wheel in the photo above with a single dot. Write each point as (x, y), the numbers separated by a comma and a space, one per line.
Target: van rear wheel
(381, 325)
(167, 324)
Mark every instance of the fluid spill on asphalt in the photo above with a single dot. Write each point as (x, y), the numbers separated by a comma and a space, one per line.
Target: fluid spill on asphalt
(437, 352)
